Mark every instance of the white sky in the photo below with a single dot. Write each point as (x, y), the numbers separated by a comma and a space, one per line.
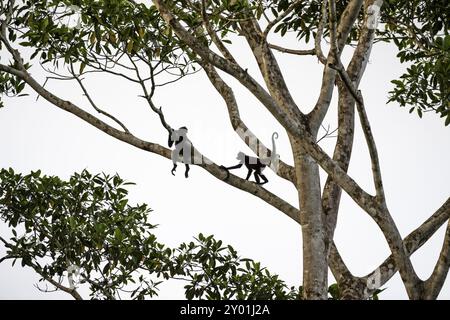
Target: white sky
(414, 156)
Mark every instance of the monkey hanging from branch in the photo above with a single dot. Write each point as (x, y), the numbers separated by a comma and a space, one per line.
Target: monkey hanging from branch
(257, 165)
(183, 149)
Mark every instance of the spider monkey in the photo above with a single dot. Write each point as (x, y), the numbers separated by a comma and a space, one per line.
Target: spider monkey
(257, 164)
(183, 149)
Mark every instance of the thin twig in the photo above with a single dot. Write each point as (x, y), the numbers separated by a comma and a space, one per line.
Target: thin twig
(280, 17)
(91, 101)
(148, 95)
(293, 51)
(327, 134)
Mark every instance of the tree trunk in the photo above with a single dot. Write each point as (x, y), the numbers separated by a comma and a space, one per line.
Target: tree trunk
(315, 260)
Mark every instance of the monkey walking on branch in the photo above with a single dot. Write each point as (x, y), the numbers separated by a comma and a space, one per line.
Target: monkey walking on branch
(257, 165)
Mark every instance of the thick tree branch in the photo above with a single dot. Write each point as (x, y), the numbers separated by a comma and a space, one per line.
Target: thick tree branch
(334, 49)
(373, 152)
(362, 198)
(318, 38)
(435, 282)
(365, 124)
(219, 44)
(73, 292)
(89, 118)
(412, 243)
(342, 153)
(383, 218)
(343, 150)
(337, 265)
(234, 70)
(256, 190)
(331, 195)
(285, 171)
(269, 68)
(347, 21)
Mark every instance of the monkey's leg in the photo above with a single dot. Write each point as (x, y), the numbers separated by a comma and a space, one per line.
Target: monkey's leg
(249, 174)
(256, 174)
(186, 173)
(264, 178)
(174, 168)
(175, 156)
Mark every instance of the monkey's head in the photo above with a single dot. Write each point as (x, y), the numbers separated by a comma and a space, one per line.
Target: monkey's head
(183, 130)
(240, 156)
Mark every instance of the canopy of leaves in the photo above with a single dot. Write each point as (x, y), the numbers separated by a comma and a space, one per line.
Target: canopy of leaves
(217, 272)
(75, 30)
(87, 222)
(105, 31)
(419, 29)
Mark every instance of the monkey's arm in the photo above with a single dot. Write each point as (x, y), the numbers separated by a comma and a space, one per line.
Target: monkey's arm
(170, 141)
(227, 169)
(234, 167)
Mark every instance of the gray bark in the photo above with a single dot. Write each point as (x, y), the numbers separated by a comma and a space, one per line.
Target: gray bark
(315, 258)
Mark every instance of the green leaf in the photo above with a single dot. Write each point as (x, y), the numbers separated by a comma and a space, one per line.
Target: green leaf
(106, 268)
(130, 46)
(118, 234)
(82, 66)
(92, 38)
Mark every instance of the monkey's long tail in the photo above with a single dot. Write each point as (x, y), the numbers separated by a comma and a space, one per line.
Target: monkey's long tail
(274, 147)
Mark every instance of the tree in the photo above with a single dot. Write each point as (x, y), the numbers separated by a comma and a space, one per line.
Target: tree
(155, 44)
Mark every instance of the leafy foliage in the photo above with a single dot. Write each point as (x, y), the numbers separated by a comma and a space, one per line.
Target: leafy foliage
(95, 35)
(106, 31)
(419, 29)
(87, 222)
(217, 272)
(106, 26)
(11, 86)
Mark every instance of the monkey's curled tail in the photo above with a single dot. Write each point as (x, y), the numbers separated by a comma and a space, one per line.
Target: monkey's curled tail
(274, 157)
(274, 147)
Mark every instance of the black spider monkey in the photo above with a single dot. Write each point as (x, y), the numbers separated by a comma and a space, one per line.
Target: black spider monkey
(256, 164)
(183, 149)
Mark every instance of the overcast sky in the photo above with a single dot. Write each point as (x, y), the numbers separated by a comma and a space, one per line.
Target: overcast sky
(414, 155)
